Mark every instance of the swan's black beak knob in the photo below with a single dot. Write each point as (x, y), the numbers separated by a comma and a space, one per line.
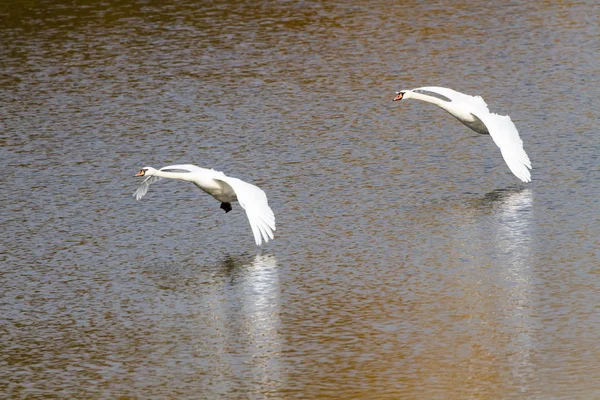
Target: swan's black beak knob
(399, 96)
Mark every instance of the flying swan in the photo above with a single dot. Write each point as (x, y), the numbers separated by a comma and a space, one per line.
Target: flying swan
(223, 188)
(474, 113)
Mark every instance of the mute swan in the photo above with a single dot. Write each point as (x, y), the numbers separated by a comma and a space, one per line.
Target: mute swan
(473, 112)
(223, 188)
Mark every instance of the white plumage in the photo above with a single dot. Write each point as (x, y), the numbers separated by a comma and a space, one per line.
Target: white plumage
(223, 188)
(474, 113)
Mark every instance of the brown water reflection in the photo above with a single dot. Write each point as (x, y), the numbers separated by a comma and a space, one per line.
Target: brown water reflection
(402, 332)
(408, 262)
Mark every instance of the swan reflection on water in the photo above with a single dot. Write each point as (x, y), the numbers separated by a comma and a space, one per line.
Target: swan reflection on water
(247, 324)
(495, 232)
(511, 222)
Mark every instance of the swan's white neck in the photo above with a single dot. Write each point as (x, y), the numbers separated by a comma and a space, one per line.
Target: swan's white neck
(429, 99)
(184, 176)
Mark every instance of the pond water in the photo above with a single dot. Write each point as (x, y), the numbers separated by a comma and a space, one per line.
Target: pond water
(408, 261)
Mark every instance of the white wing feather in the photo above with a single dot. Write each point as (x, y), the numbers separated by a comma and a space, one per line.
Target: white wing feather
(184, 167)
(254, 201)
(143, 189)
(504, 133)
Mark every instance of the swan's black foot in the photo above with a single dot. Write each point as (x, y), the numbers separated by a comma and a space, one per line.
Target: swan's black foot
(226, 207)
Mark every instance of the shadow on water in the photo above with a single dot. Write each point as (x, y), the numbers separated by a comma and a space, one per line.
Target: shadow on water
(511, 197)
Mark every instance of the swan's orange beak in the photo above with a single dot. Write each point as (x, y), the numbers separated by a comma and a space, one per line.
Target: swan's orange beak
(398, 96)
(141, 173)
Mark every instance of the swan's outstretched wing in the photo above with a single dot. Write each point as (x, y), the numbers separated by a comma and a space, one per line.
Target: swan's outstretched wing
(504, 133)
(474, 101)
(143, 189)
(254, 201)
(182, 168)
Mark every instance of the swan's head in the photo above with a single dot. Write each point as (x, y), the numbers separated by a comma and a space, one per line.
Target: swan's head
(145, 171)
(403, 94)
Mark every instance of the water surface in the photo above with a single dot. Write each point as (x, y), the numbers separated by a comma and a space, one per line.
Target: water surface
(408, 261)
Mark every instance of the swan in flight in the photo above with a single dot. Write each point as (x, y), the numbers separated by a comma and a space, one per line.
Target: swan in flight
(223, 188)
(474, 113)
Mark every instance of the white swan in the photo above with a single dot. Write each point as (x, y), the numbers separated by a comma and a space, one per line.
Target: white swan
(473, 112)
(223, 188)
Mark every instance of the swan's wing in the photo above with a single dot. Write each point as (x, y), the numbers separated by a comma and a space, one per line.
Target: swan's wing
(475, 101)
(504, 133)
(143, 189)
(254, 201)
(182, 168)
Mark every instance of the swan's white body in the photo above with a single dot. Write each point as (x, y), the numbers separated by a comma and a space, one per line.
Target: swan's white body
(223, 188)
(474, 113)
